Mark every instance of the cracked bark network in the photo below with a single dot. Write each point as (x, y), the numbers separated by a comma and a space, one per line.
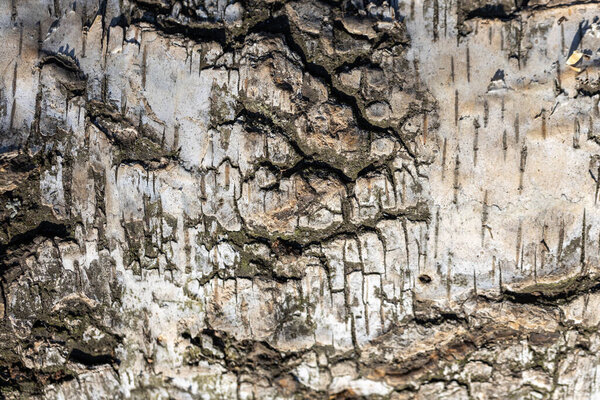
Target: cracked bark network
(303, 199)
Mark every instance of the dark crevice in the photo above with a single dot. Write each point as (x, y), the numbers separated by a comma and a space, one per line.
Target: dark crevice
(82, 357)
(44, 229)
(551, 297)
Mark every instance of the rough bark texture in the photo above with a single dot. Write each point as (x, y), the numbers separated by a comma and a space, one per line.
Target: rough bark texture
(309, 199)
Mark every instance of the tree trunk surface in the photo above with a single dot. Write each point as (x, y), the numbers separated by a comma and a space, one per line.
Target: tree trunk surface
(271, 199)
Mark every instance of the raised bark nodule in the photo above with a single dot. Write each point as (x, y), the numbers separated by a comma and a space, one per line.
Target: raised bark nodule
(268, 199)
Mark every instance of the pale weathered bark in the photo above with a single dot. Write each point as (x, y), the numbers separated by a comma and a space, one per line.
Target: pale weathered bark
(268, 199)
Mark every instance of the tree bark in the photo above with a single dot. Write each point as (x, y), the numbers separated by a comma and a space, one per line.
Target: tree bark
(273, 200)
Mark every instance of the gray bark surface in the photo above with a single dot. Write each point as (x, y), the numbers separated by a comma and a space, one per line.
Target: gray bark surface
(271, 199)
